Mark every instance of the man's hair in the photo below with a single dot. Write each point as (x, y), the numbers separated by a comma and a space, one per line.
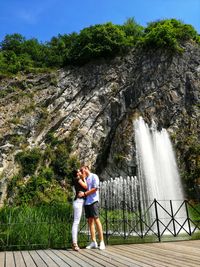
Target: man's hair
(87, 167)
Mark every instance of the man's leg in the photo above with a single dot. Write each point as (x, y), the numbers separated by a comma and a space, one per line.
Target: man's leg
(99, 228)
(92, 229)
(100, 232)
(93, 244)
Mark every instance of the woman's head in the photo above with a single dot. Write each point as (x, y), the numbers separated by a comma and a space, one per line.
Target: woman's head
(85, 170)
(76, 173)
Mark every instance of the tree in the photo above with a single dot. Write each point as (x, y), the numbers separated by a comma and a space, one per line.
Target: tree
(97, 41)
(132, 30)
(35, 50)
(168, 34)
(13, 42)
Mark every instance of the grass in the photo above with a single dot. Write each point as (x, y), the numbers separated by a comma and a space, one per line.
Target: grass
(42, 226)
(49, 226)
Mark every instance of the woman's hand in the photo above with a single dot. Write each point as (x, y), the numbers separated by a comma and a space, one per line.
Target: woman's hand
(81, 194)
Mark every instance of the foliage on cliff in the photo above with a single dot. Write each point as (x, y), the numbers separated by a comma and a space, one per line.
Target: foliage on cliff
(98, 41)
(44, 176)
(189, 147)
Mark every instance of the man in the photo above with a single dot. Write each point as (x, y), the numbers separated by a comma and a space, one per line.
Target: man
(92, 207)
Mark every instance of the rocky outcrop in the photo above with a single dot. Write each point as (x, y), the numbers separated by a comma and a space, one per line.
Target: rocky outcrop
(99, 102)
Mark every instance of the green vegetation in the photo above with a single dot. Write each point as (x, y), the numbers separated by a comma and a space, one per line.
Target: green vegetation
(44, 176)
(189, 148)
(38, 211)
(28, 160)
(49, 226)
(36, 227)
(168, 34)
(194, 211)
(98, 41)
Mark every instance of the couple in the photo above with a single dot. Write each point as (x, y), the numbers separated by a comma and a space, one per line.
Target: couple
(86, 186)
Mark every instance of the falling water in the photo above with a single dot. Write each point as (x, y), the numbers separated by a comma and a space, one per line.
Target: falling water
(132, 199)
(157, 169)
(120, 196)
(156, 163)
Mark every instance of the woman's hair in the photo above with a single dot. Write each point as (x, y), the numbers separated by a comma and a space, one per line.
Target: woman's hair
(73, 177)
(74, 173)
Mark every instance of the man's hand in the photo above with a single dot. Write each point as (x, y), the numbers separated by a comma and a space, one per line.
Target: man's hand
(80, 194)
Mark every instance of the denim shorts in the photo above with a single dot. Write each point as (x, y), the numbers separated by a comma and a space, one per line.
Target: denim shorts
(92, 211)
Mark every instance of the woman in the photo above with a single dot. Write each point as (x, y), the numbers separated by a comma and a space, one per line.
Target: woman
(79, 184)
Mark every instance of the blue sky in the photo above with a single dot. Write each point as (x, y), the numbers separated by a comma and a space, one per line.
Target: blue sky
(44, 19)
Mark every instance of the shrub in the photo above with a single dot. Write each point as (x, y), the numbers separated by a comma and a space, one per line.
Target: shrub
(168, 34)
(28, 160)
(97, 41)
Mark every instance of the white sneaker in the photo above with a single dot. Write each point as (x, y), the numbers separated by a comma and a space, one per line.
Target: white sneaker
(92, 245)
(102, 245)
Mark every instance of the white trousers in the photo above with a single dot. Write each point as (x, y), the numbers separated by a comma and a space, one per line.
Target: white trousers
(78, 208)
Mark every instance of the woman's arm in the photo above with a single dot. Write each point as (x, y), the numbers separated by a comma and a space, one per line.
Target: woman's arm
(82, 183)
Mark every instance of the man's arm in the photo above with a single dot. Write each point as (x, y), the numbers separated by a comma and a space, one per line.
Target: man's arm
(89, 192)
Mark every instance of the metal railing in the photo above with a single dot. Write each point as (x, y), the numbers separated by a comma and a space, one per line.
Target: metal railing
(155, 221)
(49, 226)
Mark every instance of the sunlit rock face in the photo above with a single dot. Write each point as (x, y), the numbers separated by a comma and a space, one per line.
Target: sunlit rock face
(99, 102)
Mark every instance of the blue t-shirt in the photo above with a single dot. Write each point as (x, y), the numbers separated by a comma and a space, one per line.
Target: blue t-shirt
(92, 182)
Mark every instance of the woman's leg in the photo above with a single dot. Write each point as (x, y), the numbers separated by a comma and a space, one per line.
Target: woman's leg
(78, 207)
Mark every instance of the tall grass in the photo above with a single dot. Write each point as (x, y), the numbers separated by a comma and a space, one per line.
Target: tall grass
(30, 227)
(49, 226)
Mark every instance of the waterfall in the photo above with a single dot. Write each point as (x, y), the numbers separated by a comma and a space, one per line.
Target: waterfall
(157, 168)
(158, 174)
(154, 200)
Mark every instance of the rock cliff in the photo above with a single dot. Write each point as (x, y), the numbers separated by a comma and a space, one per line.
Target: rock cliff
(99, 102)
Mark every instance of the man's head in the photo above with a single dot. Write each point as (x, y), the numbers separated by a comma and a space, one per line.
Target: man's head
(85, 170)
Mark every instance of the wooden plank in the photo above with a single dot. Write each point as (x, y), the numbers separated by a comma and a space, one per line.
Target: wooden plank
(189, 255)
(189, 243)
(101, 257)
(112, 258)
(164, 254)
(170, 257)
(10, 262)
(2, 258)
(67, 258)
(19, 261)
(139, 260)
(95, 259)
(180, 247)
(37, 259)
(123, 259)
(83, 260)
(148, 261)
(28, 260)
(56, 259)
(46, 259)
(160, 257)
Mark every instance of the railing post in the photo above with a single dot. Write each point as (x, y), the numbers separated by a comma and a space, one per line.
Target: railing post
(157, 219)
(124, 203)
(124, 223)
(188, 217)
(106, 214)
(173, 217)
(8, 230)
(140, 216)
(50, 222)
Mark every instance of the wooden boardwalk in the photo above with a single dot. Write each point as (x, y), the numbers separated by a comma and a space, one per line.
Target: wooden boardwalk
(182, 254)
